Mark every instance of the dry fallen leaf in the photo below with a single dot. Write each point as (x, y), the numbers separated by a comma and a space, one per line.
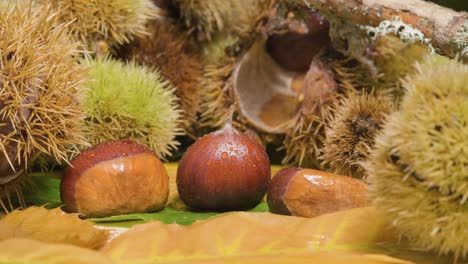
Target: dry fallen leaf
(53, 226)
(35, 252)
(241, 235)
(315, 258)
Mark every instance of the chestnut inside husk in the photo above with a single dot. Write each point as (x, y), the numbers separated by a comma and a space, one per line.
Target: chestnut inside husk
(269, 79)
(294, 50)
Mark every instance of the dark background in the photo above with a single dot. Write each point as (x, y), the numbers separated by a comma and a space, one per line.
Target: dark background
(459, 5)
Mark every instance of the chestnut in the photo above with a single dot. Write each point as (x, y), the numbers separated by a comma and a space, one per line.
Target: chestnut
(113, 178)
(294, 51)
(222, 171)
(310, 193)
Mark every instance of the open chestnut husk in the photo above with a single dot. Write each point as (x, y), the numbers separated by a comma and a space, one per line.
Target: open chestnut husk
(222, 171)
(310, 193)
(113, 178)
(265, 74)
(269, 79)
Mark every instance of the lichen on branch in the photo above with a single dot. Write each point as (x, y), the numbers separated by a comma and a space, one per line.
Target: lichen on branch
(447, 29)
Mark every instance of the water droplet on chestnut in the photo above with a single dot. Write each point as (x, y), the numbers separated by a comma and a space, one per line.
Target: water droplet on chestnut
(115, 178)
(224, 155)
(236, 183)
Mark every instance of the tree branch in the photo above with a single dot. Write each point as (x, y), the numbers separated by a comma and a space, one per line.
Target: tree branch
(447, 28)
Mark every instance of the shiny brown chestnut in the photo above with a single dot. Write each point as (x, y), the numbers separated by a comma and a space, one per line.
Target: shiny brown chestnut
(113, 178)
(222, 171)
(294, 51)
(310, 193)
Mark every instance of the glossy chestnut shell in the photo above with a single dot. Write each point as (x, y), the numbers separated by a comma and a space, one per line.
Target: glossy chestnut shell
(113, 178)
(294, 51)
(222, 171)
(310, 193)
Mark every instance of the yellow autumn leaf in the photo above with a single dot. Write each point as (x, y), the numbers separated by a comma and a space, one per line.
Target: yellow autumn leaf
(53, 226)
(240, 236)
(16, 251)
(311, 258)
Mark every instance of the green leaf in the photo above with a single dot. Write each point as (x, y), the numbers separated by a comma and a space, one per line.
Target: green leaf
(261, 207)
(169, 216)
(43, 190)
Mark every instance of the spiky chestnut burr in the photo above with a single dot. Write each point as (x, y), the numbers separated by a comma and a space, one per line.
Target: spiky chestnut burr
(206, 18)
(224, 170)
(40, 83)
(102, 22)
(130, 101)
(216, 94)
(306, 132)
(351, 133)
(381, 67)
(418, 169)
(113, 178)
(394, 60)
(170, 51)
